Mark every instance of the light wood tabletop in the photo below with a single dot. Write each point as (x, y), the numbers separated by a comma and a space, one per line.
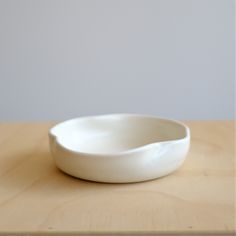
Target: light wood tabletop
(35, 197)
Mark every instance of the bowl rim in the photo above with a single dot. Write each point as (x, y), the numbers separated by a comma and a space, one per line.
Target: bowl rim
(125, 152)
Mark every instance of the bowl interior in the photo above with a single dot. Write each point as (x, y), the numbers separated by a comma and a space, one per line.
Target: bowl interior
(116, 133)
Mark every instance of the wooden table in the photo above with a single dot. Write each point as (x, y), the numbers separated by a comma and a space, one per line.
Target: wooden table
(35, 197)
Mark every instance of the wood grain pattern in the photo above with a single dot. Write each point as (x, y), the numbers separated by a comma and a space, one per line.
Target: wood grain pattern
(36, 197)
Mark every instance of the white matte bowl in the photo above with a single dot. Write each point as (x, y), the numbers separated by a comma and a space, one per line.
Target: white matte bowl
(119, 148)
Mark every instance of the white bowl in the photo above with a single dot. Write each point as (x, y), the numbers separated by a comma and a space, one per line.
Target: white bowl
(119, 148)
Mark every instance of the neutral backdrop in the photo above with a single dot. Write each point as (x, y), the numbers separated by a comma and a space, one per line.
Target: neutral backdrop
(63, 59)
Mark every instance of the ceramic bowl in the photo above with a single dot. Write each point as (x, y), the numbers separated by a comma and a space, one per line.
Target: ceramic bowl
(119, 148)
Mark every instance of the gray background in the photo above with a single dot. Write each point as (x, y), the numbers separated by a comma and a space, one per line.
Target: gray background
(63, 59)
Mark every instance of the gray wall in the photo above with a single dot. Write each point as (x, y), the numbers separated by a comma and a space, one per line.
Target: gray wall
(62, 59)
